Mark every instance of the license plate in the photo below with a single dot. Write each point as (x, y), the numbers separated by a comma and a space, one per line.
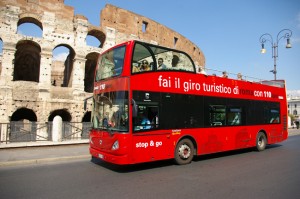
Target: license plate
(100, 156)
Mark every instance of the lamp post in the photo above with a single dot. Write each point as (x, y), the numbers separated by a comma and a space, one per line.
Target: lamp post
(285, 33)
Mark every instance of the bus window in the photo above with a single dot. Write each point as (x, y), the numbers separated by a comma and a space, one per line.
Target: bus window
(274, 116)
(110, 64)
(172, 60)
(271, 114)
(142, 60)
(234, 116)
(147, 117)
(217, 115)
(110, 111)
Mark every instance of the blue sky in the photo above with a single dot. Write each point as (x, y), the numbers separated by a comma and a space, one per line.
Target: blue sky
(227, 32)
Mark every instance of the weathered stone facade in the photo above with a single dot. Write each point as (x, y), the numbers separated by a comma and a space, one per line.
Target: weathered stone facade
(27, 73)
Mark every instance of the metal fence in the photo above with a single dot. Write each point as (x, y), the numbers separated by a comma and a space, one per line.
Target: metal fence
(34, 132)
(76, 131)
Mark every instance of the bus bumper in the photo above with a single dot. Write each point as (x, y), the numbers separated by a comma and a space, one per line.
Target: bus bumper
(111, 158)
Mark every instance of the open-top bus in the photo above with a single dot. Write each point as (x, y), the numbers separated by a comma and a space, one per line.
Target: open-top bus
(169, 111)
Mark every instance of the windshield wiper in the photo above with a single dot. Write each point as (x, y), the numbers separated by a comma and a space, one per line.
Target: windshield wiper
(110, 130)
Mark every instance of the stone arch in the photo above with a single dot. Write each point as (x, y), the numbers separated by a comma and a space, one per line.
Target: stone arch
(27, 61)
(22, 114)
(23, 126)
(96, 32)
(63, 113)
(68, 66)
(90, 65)
(87, 116)
(28, 18)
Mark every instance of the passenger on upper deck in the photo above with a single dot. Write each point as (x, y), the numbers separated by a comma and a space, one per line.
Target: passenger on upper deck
(145, 66)
(239, 76)
(161, 64)
(224, 74)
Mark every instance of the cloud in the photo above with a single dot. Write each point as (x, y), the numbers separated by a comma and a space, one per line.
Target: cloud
(60, 57)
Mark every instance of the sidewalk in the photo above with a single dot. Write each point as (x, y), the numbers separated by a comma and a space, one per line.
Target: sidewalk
(45, 154)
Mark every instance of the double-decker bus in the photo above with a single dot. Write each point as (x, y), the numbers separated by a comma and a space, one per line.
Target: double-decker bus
(150, 104)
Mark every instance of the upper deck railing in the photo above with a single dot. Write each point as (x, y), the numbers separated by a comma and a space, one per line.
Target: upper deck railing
(214, 72)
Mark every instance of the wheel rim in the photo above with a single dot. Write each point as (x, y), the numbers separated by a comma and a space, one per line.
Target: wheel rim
(184, 151)
(261, 141)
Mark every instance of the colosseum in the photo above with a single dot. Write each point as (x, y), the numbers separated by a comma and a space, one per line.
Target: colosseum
(34, 87)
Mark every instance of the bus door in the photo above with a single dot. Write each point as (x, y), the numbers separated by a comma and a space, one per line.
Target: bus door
(149, 142)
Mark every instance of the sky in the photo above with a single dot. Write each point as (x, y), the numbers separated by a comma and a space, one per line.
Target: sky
(227, 31)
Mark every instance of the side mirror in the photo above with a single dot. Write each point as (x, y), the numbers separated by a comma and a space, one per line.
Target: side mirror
(134, 108)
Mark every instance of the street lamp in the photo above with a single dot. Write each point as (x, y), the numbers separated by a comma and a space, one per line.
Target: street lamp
(285, 33)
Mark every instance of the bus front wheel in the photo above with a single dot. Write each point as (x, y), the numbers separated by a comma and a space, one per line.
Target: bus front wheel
(184, 152)
(261, 141)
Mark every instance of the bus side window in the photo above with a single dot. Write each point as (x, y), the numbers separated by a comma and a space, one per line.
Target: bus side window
(141, 122)
(234, 116)
(271, 115)
(217, 115)
(274, 116)
(147, 118)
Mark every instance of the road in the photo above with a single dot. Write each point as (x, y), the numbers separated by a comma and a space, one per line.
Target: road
(273, 173)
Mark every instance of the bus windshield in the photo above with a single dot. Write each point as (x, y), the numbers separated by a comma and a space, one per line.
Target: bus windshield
(110, 64)
(110, 111)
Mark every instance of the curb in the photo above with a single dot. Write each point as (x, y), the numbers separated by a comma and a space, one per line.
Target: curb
(42, 161)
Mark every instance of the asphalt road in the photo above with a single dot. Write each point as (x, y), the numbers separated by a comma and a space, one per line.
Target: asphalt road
(273, 173)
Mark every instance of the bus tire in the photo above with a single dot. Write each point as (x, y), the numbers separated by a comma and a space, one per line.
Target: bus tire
(261, 141)
(184, 152)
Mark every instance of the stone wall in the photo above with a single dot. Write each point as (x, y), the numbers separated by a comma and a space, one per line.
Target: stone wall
(25, 89)
(122, 25)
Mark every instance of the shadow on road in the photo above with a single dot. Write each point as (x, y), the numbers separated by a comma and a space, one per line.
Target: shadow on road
(134, 167)
(232, 153)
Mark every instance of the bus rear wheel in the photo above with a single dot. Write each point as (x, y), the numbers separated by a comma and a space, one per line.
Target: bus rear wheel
(261, 141)
(184, 152)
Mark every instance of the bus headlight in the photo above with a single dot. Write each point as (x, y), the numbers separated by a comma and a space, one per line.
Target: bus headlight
(115, 146)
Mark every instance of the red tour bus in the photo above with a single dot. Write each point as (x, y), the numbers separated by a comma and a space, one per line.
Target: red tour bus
(149, 104)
